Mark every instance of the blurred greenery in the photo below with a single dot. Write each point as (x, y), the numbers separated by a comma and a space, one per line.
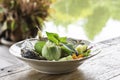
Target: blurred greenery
(95, 12)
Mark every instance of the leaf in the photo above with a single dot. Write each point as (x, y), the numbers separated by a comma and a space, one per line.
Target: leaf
(67, 48)
(53, 37)
(63, 39)
(38, 46)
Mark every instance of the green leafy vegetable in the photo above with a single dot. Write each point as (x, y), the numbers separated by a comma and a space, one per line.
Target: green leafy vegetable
(55, 38)
(51, 51)
(63, 39)
(67, 48)
(60, 41)
(38, 46)
(58, 49)
(87, 53)
(66, 58)
(81, 48)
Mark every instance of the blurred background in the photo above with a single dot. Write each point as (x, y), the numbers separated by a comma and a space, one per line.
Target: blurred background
(94, 20)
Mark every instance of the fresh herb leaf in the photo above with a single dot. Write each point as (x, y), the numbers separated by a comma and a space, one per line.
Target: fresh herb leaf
(53, 37)
(63, 39)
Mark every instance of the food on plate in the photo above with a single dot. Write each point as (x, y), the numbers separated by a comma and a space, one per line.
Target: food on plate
(51, 51)
(55, 48)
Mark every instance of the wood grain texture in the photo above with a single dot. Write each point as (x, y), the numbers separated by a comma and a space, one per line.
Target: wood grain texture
(104, 66)
(6, 59)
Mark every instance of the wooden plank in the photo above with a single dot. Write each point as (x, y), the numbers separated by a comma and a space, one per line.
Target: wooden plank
(34, 75)
(4, 63)
(101, 66)
(115, 77)
(13, 69)
(6, 59)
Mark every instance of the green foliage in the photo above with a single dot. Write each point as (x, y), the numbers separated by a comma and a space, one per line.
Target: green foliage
(96, 12)
(114, 8)
(96, 21)
(55, 38)
(68, 11)
(60, 41)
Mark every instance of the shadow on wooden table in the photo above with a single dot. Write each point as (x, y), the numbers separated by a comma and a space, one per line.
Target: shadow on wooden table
(34, 75)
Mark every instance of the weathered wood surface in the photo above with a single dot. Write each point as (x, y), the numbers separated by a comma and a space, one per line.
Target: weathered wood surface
(104, 66)
(6, 59)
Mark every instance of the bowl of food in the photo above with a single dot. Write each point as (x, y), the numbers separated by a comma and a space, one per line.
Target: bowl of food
(54, 54)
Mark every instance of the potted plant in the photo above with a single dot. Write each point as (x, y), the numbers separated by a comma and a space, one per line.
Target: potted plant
(20, 19)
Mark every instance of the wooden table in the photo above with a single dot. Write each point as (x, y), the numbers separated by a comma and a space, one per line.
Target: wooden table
(104, 66)
(6, 59)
